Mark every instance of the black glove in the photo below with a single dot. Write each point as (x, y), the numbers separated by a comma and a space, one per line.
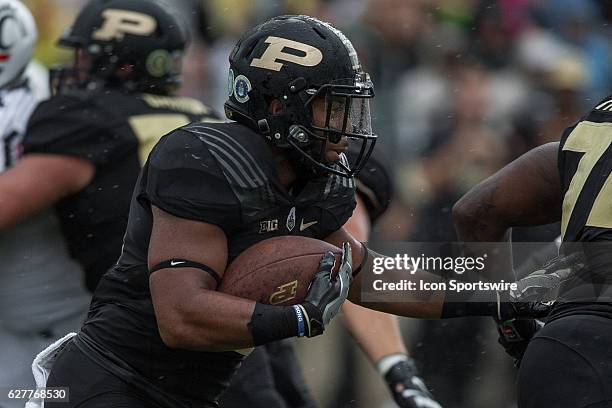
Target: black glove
(515, 335)
(532, 299)
(326, 294)
(407, 388)
(543, 284)
(534, 293)
(509, 308)
(516, 323)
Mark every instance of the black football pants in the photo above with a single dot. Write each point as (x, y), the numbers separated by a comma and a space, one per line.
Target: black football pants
(97, 388)
(568, 364)
(270, 377)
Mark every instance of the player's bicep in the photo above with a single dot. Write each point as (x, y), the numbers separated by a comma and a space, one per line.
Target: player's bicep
(175, 238)
(526, 192)
(178, 241)
(38, 181)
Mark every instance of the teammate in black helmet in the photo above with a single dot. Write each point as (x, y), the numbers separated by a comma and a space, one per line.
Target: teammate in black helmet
(132, 44)
(85, 146)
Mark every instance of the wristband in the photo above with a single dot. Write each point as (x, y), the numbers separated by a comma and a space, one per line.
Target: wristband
(270, 323)
(299, 315)
(480, 303)
(384, 364)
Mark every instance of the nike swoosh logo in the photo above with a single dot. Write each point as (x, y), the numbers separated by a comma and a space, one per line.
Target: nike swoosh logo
(308, 224)
(174, 263)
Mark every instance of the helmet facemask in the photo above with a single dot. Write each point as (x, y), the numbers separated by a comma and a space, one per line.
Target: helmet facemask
(346, 115)
(92, 68)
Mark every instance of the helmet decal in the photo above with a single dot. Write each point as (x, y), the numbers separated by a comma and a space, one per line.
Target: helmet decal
(118, 22)
(230, 82)
(275, 51)
(17, 39)
(11, 28)
(242, 87)
(159, 63)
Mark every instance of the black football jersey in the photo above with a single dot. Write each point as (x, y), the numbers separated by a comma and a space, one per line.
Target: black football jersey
(585, 161)
(115, 132)
(374, 182)
(222, 174)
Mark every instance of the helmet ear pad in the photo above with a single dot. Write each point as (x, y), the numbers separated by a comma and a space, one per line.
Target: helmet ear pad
(284, 112)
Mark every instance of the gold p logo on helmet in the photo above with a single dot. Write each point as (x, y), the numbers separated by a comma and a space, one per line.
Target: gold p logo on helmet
(312, 56)
(118, 22)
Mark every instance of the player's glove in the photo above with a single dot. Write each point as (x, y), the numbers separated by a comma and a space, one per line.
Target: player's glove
(515, 319)
(515, 335)
(407, 388)
(543, 284)
(535, 292)
(326, 294)
(531, 299)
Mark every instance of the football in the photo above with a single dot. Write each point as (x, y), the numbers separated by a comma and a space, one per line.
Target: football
(276, 271)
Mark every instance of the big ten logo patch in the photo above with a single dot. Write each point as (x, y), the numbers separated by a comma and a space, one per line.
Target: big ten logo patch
(268, 226)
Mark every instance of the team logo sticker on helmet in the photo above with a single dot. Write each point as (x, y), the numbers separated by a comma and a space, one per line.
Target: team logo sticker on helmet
(275, 51)
(118, 22)
(159, 63)
(230, 82)
(242, 87)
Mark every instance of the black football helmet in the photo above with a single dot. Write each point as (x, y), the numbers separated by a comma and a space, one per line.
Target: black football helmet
(299, 60)
(145, 35)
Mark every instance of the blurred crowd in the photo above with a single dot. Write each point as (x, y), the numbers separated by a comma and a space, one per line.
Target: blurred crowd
(462, 88)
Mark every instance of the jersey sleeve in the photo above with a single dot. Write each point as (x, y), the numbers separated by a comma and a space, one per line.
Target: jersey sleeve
(74, 126)
(374, 184)
(184, 179)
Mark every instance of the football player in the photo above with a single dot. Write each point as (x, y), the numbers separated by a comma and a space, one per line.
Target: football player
(568, 363)
(271, 376)
(40, 285)
(85, 145)
(82, 156)
(208, 191)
